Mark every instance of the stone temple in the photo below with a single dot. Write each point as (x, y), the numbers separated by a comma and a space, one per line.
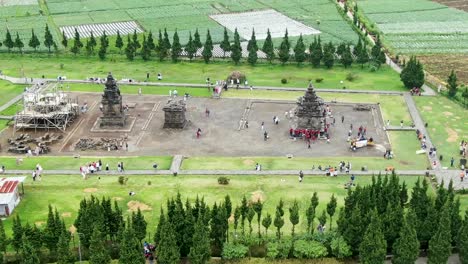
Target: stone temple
(310, 111)
(174, 114)
(111, 104)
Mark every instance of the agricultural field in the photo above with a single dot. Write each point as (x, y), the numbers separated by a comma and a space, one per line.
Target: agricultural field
(459, 4)
(442, 64)
(419, 26)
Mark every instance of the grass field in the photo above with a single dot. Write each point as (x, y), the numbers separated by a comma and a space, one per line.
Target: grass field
(8, 91)
(185, 72)
(65, 193)
(448, 125)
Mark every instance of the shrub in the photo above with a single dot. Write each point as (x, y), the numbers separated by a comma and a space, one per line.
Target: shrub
(340, 248)
(149, 183)
(309, 249)
(233, 251)
(121, 180)
(223, 180)
(284, 81)
(351, 76)
(279, 249)
(318, 80)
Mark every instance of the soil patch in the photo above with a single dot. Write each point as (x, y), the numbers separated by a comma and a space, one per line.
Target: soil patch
(39, 223)
(231, 218)
(427, 108)
(72, 229)
(452, 135)
(66, 214)
(248, 162)
(117, 198)
(135, 205)
(90, 190)
(447, 114)
(258, 196)
(402, 162)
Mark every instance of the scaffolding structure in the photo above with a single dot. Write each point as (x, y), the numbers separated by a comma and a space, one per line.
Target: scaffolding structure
(46, 106)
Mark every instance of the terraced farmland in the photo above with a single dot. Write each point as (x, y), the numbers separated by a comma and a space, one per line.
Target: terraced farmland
(418, 26)
(459, 4)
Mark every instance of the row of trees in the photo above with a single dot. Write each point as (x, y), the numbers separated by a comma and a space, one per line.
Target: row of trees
(316, 53)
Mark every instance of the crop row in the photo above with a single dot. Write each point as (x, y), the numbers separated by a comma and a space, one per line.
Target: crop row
(18, 11)
(396, 6)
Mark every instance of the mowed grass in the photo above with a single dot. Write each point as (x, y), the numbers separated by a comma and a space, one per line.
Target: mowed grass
(8, 91)
(133, 89)
(65, 192)
(448, 125)
(197, 72)
(404, 146)
(71, 163)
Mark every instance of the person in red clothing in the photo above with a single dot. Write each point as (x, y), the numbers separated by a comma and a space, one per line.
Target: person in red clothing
(198, 133)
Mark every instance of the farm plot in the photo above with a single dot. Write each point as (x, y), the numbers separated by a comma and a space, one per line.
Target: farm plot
(4, 3)
(459, 4)
(94, 17)
(18, 10)
(99, 29)
(419, 26)
(261, 21)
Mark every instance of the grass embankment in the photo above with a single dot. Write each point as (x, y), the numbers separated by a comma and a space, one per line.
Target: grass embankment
(8, 90)
(265, 74)
(447, 125)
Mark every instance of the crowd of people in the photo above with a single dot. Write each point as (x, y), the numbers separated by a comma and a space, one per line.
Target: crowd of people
(92, 167)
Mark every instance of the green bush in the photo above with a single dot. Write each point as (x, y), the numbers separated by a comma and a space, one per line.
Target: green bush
(340, 248)
(319, 80)
(121, 180)
(309, 249)
(351, 76)
(223, 180)
(284, 81)
(279, 249)
(233, 251)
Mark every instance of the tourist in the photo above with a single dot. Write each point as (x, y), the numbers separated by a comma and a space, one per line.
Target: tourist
(198, 133)
(170, 93)
(126, 146)
(119, 168)
(147, 76)
(139, 91)
(452, 160)
(258, 167)
(160, 76)
(34, 175)
(207, 112)
(246, 124)
(462, 175)
(401, 123)
(2, 169)
(131, 193)
(301, 176)
(155, 166)
(107, 167)
(263, 125)
(175, 93)
(274, 119)
(122, 166)
(265, 136)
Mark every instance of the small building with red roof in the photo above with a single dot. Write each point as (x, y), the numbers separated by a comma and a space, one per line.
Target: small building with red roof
(11, 190)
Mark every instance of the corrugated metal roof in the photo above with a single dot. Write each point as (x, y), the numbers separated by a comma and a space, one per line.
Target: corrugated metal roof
(8, 186)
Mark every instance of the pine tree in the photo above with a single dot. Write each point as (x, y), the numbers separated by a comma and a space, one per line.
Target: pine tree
(200, 252)
(331, 208)
(3, 238)
(207, 52)
(412, 74)
(250, 216)
(346, 57)
(452, 84)
(157, 234)
(64, 255)
(88, 47)
(77, 41)
(28, 253)
(64, 39)
(244, 209)
(377, 53)
(129, 49)
(252, 49)
(168, 252)
(167, 43)
(329, 55)
(190, 48)
(19, 43)
(294, 215)
(341, 49)
(373, 248)
(392, 222)
(17, 233)
(358, 48)
(196, 41)
(104, 43)
(310, 213)
(34, 41)
(130, 248)
(406, 247)
(150, 41)
(119, 42)
(176, 47)
(266, 222)
(92, 42)
(8, 42)
(145, 51)
(268, 47)
(236, 49)
(258, 206)
(48, 39)
(462, 240)
(278, 223)
(316, 51)
(98, 253)
(284, 49)
(135, 41)
(225, 45)
(50, 238)
(139, 225)
(161, 49)
(440, 246)
(299, 51)
(363, 56)
(237, 215)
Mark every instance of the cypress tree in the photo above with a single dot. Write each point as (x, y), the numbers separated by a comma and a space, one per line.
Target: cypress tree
(135, 42)
(440, 246)
(341, 49)
(77, 41)
(189, 229)
(64, 39)
(294, 215)
(310, 215)
(278, 223)
(28, 252)
(331, 208)
(34, 41)
(225, 45)
(19, 43)
(462, 240)
(329, 55)
(299, 51)
(161, 47)
(284, 49)
(268, 47)
(280, 206)
(372, 250)
(452, 84)
(200, 252)
(346, 57)
(406, 247)
(196, 41)
(150, 41)
(237, 215)
(98, 253)
(190, 49)
(139, 225)
(50, 238)
(119, 42)
(412, 74)
(244, 209)
(207, 52)
(236, 49)
(48, 39)
(357, 49)
(250, 216)
(92, 42)
(176, 47)
(228, 205)
(88, 47)
(166, 41)
(316, 51)
(130, 248)
(323, 218)
(392, 223)
(64, 255)
(455, 219)
(145, 50)
(17, 233)
(258, 206)
(157, 234)
(104, 41)
(252, 48)
(168, 252)
(266, 222)
(3, 238)
(8, 42)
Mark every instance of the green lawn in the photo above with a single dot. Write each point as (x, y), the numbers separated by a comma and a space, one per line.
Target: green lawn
(3, 124)
(65, 193)
(448, 124)
(133, 89)
(8, 90)
(71, 163)
(196, 72)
